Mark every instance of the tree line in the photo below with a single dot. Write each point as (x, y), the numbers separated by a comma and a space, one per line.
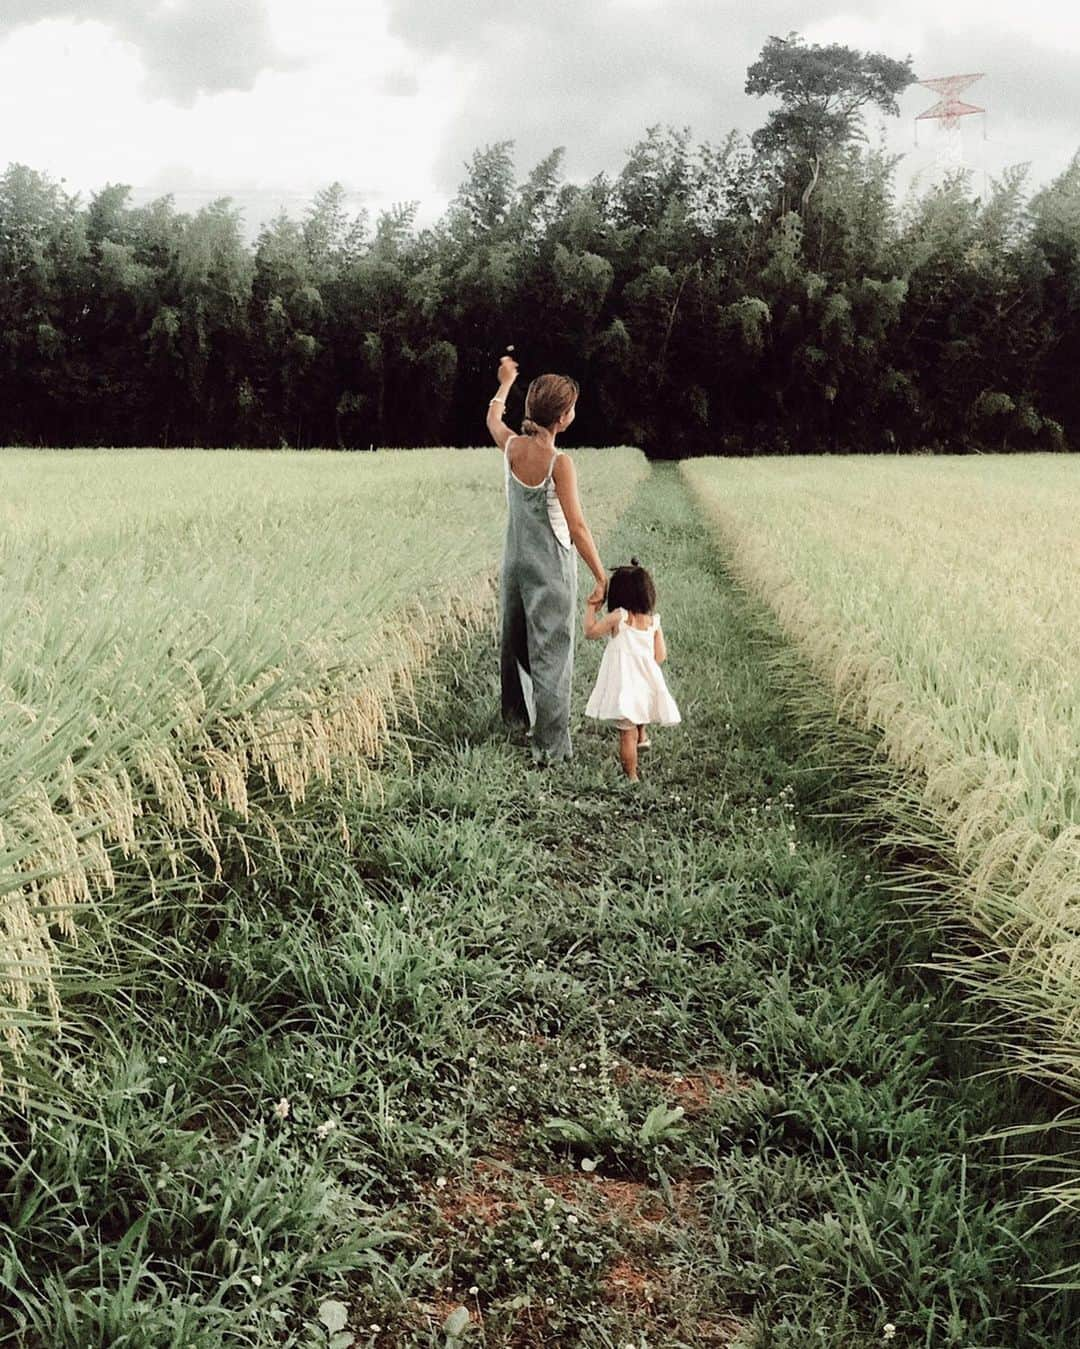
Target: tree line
(761, 294)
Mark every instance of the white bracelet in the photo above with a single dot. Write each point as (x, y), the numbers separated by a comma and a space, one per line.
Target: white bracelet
(497, 400)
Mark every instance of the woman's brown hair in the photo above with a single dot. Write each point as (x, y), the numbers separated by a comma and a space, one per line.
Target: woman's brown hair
(549, 398)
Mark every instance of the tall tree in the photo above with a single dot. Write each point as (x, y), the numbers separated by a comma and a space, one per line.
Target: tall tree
(823, 91)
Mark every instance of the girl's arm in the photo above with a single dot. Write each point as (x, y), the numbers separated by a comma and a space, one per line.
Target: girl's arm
(565, 477)
(500, 432)
(598, 627)
(659, 645)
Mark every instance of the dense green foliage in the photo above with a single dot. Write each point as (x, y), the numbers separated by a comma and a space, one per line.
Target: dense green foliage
(769, 293)
(494, 950)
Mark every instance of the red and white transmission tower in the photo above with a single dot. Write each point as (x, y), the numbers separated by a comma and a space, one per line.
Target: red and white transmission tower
(947, 112)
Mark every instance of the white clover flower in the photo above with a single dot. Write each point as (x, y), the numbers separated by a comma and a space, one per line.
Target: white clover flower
(326, 1128)
(572, 1219)
(537, 1245)
(549, 1204)
(473, 1290)
(545, 1255)
(281, 1110)
(162, 1059)
(473, 1062)
(440, 1182)
(888, 1331)
(256, 1279)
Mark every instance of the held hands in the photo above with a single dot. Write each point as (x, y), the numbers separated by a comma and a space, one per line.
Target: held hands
(598, 593)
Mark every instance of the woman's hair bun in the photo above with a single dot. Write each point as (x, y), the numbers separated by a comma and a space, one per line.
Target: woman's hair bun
(634, 562)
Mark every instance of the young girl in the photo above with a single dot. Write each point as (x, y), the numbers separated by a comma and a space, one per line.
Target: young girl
(630, 688)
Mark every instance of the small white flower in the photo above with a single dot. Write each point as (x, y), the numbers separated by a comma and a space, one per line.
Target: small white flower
(281, 1110)
(162, 1059)
(549, 1204)
(588, 1164)
(572, 1219)
(791, 845)
(545, 1255)
(888, 1330)
(511, 1091)
(310, 1077)
(549, 1302)
(537, 1245)
(375, 1327)
(256, 1279)
(440, 1182)
(326, 1128)
(473, 1062)
(473, 1290)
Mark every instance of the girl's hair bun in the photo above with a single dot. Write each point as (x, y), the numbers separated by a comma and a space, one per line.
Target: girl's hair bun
(634, 562)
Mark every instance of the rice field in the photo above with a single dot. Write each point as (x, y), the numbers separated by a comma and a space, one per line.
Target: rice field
(332, 1021)
(939, 601)
(191, 639)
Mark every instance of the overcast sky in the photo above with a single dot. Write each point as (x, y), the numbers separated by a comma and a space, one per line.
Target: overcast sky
(268, 100)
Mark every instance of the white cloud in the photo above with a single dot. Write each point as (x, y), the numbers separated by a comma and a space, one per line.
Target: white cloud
(391, 96)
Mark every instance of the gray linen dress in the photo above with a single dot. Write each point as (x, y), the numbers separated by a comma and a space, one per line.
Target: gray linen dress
(538, 584)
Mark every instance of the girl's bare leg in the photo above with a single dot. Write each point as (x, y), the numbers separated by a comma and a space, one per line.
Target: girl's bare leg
(643, 738)
(628, 752)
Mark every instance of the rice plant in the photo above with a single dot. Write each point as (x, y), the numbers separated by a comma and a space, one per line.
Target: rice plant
(191, 639)
(938, 600)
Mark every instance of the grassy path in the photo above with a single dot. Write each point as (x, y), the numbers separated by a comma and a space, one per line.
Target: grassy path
(602, 1065)
(696, 943)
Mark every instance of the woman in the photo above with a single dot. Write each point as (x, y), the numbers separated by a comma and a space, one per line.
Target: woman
(545, 524)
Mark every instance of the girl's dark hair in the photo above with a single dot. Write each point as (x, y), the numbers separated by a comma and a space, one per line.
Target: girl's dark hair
(631, 588)
(548, 399)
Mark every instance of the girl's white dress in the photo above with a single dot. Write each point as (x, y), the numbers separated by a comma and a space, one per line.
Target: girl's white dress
(630, 684)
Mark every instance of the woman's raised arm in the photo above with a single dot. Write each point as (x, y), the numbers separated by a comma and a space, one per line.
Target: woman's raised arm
(500, 432)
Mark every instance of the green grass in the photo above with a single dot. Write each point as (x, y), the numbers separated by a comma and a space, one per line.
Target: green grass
(499, 948)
